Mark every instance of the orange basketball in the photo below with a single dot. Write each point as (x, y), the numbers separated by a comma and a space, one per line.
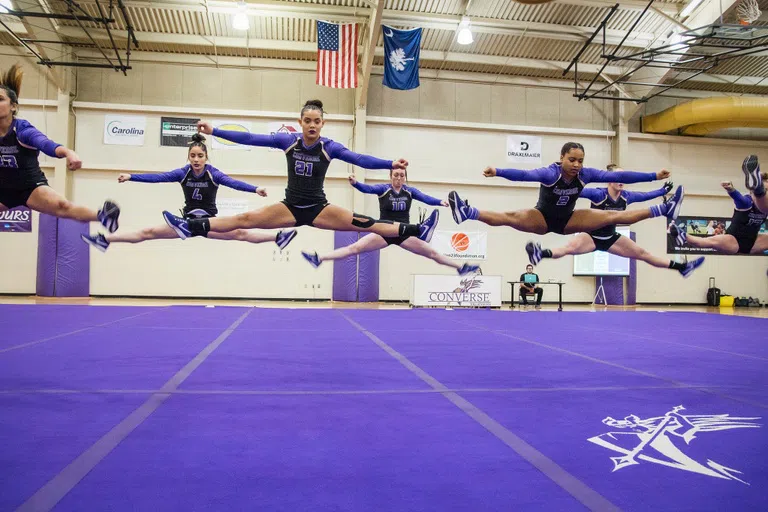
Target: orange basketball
(460, 242)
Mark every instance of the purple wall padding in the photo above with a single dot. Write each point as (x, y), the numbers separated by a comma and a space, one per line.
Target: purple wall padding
(46, 255)
(63, 260)
(632, 281)
(614, 290)
(368, 277)
(72, 260)
(344, 270)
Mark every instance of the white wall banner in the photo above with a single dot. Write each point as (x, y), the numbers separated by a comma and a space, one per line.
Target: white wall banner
(524, 149)
(124, 130)
(283, 128)
(456, 291)
(465, 245)
(233, 126)
(228, 206)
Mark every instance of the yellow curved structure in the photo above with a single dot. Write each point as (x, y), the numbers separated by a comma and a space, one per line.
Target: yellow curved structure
(707, 115)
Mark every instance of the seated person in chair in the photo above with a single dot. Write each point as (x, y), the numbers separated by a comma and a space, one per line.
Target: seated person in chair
(528, 286)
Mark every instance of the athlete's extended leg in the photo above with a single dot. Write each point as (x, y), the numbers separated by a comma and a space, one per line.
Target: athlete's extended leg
(761, 245)
(270, 217)
(726, 244)
(579, 244)
(627, 248)
(369, 243)
(589, 220)
(755, 182)
(46, 200)
(153, 233)
(529, 221)
(422, 248)
(336, 218)
(245, 235)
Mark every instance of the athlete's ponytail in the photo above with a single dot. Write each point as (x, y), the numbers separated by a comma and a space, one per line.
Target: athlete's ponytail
(10, 82)
(198, 141)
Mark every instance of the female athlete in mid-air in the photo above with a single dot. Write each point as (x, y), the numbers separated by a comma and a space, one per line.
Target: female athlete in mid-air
(741, 237)
(395, 201)
(308, 156)
(200, 183)
(22, 182)
(561, 184)
(612, 198)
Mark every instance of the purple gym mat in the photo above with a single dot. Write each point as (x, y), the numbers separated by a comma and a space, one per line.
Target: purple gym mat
(46, 255)
(41, 434)
(345, 453)
(324, 409)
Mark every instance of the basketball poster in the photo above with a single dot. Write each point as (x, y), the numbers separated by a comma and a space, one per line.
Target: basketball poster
(464, 245)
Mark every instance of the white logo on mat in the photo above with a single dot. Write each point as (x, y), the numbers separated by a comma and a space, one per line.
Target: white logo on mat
(653, 440)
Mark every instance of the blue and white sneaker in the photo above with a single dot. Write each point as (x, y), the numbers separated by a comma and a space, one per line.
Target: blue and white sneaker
(691, 266)
(97, 241)
(427, 228)
(679, 233)
(178, 224)
(108, 215)
(751, 170)
(671, 209)
(534, 252)
(466, 268)
(312, 258)
(459, 208)
(284, 237)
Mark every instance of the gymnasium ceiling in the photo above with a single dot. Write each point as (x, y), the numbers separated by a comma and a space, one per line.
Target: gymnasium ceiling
(513, 42)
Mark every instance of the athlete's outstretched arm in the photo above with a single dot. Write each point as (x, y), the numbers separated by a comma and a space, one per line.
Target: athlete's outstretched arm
(161, 177)
(542, 174)
(368, 189)
(595, 195)
(636, 197)
(424, 198)
(336, 150)
(590, 174)
(741, 202)
(31, 137)
(223, 179)
(276, 140)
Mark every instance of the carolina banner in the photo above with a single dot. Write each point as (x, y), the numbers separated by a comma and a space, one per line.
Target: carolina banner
(465, 245)
(702, 227)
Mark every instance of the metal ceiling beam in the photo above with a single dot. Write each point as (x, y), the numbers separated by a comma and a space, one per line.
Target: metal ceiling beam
(311, 48)
(480, 78)
(272, 8)
(426, 55)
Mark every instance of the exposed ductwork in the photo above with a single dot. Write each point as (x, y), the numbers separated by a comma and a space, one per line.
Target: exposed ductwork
(708, 115)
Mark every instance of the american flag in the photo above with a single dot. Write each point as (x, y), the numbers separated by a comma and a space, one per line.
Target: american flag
(337, 55)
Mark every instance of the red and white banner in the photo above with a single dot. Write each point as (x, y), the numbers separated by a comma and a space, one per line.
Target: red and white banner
(462, 245)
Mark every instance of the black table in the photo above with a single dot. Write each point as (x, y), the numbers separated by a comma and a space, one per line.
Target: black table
(558, 283)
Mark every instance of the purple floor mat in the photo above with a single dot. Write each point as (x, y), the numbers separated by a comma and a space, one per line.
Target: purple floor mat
(103, 358)
(297, 360)
(41, 434)
(349, 453)
(671, 473)
(335, 422)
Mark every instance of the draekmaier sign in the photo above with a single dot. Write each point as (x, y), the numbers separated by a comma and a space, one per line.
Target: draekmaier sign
(524, 149)
(124, 130)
